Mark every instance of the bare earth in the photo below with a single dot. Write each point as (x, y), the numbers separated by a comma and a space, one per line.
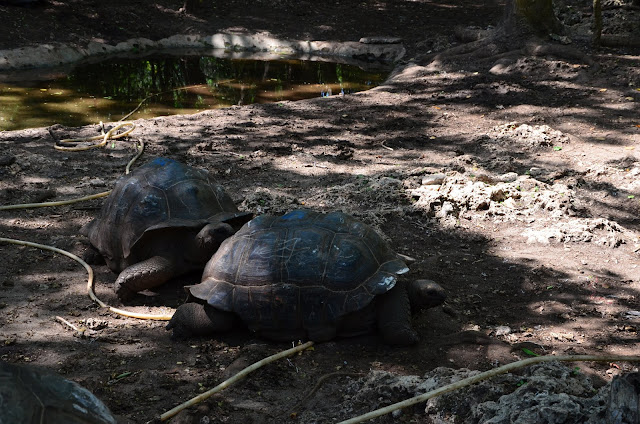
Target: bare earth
(534, 230)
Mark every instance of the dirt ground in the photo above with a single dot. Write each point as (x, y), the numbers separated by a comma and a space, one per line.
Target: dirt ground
(516, 185)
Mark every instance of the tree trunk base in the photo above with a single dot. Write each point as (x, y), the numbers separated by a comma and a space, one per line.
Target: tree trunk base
(498, 46)
(523, 31)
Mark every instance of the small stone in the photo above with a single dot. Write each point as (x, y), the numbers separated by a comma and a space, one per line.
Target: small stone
(446, 210)
(97, 182)
(503, 330)
(510, 203)
(535, 171)
(509, 177)
(433, 179)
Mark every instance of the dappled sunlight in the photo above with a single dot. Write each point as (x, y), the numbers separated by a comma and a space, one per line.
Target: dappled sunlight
(516, 190)
(33, 179)
(49, 282)
(621, 105)
(30, 224)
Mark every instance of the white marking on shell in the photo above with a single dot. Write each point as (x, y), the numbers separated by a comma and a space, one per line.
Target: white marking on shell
(388, 281)
(80, 408)
(403, 271)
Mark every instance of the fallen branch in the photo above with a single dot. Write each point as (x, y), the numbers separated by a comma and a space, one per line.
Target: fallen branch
(64, 321)
(232, 380)
(484, 376)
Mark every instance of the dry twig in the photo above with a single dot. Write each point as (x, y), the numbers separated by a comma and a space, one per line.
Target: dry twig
(235, 378)
(64, 321)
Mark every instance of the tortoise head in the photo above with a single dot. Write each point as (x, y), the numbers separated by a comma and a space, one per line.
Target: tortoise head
(425, 294)
(211, 237)
(220, 227)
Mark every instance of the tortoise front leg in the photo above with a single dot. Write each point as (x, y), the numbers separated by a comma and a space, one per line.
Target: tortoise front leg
(144, 275)
(393, 315)
(196, 319)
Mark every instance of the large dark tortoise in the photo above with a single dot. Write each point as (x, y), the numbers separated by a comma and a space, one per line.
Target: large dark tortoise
(162, 220)
(306, 275)
(31, 396)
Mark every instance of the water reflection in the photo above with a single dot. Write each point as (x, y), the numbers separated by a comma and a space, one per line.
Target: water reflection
(172, 85)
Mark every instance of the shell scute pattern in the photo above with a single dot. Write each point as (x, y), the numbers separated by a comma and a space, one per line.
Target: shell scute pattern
(33, 395)
(300, 270)
(161, 194)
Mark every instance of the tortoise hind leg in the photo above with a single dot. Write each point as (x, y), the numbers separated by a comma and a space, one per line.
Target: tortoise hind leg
(393, 315)
(196, 319)
(144, 275)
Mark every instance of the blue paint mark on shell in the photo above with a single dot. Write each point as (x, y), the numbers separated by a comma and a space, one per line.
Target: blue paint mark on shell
(297, 214)
(161, 162)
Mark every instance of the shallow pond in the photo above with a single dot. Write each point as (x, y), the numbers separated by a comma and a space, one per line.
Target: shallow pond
(108, 91)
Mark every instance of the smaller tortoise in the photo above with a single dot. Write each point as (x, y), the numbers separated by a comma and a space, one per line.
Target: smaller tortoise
(306, 275)
(29, 395)
(160, 221)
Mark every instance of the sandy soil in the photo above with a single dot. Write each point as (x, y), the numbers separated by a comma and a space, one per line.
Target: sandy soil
(516, 187)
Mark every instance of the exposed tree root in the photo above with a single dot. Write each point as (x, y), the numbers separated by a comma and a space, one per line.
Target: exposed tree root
(524, 29)
(490, 47)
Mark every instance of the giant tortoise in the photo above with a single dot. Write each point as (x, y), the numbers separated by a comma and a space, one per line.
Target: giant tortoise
(162, 220)
(32, 396)
(306, 275)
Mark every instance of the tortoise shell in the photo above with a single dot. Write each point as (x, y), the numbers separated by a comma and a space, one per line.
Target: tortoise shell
(299, 271)
(28, 395)
(160, 195)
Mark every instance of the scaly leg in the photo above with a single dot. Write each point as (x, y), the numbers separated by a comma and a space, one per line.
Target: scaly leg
(147, 274)
(393, 314)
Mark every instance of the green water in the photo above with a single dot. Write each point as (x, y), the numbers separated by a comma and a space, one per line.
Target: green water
(174, 85)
